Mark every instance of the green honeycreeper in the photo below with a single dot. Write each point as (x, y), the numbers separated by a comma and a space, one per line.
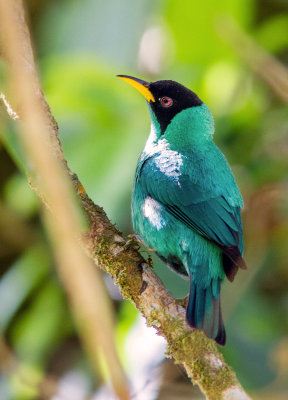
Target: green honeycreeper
(186, 204)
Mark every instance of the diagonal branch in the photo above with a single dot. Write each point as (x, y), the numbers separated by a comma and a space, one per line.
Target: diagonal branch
(109, 248)
(80, 278)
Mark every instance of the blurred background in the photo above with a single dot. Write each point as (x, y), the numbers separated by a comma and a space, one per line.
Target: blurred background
(103, 123)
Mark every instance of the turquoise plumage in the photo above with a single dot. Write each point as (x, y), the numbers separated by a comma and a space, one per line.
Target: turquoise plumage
(186, 203)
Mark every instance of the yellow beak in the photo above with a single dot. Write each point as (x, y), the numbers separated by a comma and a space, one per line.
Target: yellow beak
(141, 86)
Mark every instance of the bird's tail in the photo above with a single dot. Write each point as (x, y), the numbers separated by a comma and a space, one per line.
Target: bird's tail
(204, 310)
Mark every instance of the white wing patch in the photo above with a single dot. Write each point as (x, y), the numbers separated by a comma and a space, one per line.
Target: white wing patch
(153, 211)
(169, 161)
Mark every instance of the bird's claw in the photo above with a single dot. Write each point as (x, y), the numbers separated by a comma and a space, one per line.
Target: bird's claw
(134, 241)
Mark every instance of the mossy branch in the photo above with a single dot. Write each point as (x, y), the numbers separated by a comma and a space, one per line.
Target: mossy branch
(113, 253)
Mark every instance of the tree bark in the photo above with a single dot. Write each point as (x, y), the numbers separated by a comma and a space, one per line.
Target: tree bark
(120, 258)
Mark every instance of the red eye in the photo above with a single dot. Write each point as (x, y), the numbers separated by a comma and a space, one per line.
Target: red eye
(166, 102)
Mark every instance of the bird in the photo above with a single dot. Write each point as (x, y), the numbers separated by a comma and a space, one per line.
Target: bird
(186, 204)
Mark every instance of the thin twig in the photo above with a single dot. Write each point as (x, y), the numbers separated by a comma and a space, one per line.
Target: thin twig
(12, 114)
(90, 302)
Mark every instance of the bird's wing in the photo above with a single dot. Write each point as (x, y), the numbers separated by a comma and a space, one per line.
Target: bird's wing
(209, 210)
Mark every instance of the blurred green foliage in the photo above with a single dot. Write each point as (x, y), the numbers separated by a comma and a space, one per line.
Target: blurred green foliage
(103, 125)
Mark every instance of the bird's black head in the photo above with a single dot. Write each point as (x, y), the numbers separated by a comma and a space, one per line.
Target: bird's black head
(166, 98)
(171, 98)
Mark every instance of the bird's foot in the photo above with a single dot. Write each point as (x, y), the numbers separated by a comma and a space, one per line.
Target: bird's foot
(132, 242)
(137, 240)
